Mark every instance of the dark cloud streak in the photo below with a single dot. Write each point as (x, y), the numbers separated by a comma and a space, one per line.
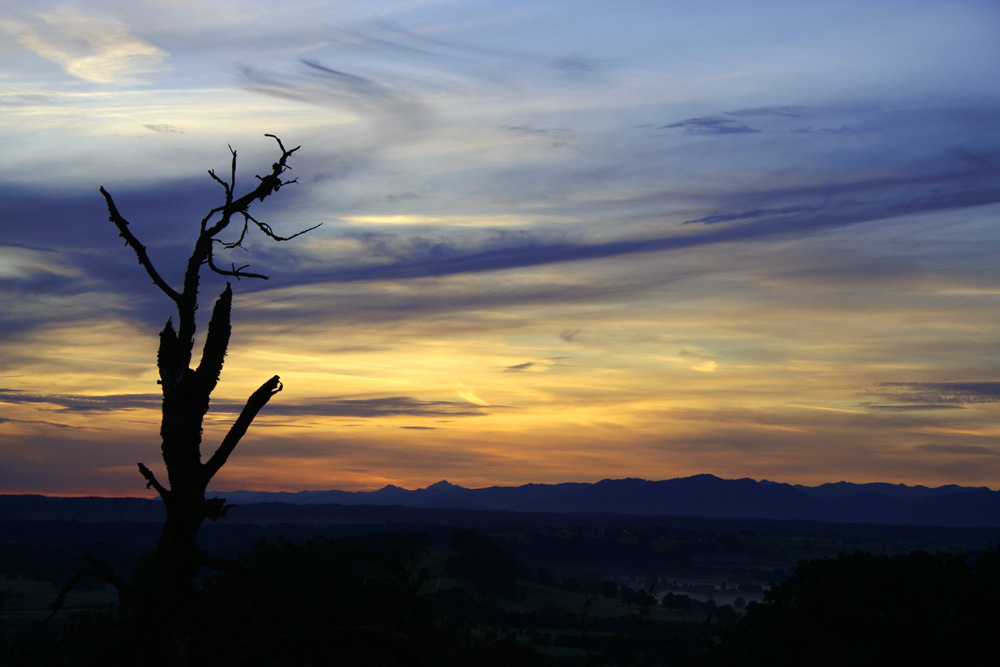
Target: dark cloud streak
(519, 368)
(938, 395)
(710, 125)
(392, 406)
(81, 402)
(34, 422)
(756, 213)
(788, 111)
(319, 84)
(441, 259)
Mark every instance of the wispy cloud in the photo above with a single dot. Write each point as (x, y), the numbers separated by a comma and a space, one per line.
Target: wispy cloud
(81, 402)
(319, 84)
(556, 136)
(959, 450)
(420, 258)
(34, 422)
(519, 368)
(710, 125)
(97, 49)
(391, 406)
(754, 213)
(569, 335)
(405, 81)
(787, 111)
(937, 395)
(166, 129)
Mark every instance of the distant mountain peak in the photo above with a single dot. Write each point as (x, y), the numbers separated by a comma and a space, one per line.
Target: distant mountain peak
(704, 477)
(442, 486)
(390, 488)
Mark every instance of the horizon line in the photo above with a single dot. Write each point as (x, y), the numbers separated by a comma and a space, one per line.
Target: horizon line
(471, 488)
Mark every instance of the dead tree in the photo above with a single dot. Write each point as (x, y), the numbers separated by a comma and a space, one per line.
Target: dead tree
(186, 390)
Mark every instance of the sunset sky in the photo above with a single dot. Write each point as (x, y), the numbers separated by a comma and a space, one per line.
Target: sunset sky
(561, 241)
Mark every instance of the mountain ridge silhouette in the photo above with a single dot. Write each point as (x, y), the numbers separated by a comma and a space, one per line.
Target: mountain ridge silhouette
(699, 495)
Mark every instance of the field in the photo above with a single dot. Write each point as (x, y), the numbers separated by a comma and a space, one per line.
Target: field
(568, 586)
(26, 601)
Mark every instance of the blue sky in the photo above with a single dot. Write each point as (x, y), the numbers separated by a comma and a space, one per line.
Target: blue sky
(560, 241)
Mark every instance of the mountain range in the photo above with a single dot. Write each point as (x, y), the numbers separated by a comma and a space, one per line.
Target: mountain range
(699, 495)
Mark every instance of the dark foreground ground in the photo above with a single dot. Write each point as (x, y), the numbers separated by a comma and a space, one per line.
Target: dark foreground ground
(384, 585)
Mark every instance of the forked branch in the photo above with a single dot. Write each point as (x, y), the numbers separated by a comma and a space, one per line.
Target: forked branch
(233, 206)
(267, 185)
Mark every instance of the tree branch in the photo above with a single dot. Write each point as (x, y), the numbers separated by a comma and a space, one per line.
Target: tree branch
(268, 185)
(152, 483)
(235, 272)
(216, 342)
(272, 182)
(238, 243)
(98, 569)
(239, 428)
(139, 249)
(266, 228)
(229, 192)
(171, 357)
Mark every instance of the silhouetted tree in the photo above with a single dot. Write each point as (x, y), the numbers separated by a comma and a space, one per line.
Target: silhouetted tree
(186, 390)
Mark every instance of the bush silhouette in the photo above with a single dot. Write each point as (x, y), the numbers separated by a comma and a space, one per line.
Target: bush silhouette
(865, 609)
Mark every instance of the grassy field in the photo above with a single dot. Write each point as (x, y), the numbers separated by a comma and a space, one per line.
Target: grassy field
(25, 600)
